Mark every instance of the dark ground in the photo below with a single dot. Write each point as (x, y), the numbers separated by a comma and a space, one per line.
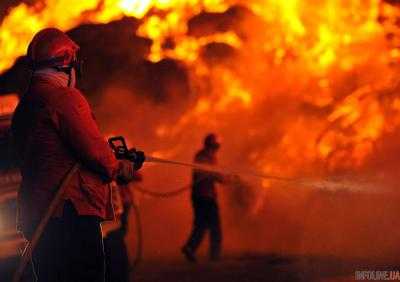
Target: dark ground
(254, 268)
(245, 268)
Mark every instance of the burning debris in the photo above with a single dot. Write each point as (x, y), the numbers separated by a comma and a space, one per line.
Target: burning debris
(200, 50)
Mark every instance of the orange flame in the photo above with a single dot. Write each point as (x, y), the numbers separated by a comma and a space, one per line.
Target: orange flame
(302, 52)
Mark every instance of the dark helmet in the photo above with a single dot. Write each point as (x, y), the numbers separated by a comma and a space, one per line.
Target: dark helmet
(51, 47)
(210, 141)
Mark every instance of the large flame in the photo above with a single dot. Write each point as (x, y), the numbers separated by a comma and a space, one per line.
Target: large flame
(324, 64)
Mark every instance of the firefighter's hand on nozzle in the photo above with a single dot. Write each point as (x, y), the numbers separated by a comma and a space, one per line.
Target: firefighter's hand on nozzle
(138, 159)
(121, 151)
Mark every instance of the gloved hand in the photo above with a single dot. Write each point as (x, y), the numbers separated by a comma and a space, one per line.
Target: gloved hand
(126, 172)
(139, 159)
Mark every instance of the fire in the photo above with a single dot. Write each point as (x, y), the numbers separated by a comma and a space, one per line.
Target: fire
(23, 21)
(8, 103)
(302, 79)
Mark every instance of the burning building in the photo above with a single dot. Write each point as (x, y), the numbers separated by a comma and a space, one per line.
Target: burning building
(301, 89)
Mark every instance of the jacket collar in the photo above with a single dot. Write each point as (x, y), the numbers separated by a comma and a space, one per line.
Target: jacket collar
(55, 77)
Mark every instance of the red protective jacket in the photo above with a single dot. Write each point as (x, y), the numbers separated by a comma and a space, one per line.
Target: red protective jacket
(53, 127)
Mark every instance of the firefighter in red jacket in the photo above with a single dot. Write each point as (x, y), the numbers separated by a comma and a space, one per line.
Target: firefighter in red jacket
(204, 201)
(54, 128)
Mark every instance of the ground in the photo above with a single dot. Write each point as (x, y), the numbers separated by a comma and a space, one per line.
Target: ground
(257, 268)
(245, 268)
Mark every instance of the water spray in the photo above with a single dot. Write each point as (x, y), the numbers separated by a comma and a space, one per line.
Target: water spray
(219, 169)
(323, 184)
(121, 151)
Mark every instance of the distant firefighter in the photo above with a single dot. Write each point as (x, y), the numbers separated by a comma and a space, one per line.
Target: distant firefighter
(204, 202)
(53, 128)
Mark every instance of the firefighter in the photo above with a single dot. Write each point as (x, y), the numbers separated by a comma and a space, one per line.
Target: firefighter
(54, 128)
(204, 202)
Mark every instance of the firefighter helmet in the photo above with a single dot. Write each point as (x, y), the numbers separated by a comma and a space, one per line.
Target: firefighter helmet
(210, 141)
(51, 47)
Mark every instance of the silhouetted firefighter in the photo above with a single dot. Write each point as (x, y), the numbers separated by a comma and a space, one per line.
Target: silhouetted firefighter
(204, 201)
(54, 129)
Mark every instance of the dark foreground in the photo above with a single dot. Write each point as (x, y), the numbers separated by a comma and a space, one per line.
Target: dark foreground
(254, 268)
(245, 268)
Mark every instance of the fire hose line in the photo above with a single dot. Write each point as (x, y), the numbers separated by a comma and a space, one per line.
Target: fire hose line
(310, 182)
(168, 194)
(136, 211)
(139, 229)
(176, 192)
(27, 254)
(181, 190)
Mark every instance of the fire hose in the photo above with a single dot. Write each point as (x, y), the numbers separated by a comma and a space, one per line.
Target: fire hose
(223, 170)
(171, 193)
(121, 151)
(136, 212)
